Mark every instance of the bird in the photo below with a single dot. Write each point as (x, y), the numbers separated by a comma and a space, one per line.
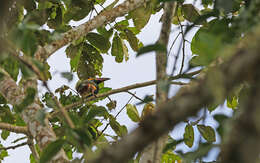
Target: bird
(89, 87)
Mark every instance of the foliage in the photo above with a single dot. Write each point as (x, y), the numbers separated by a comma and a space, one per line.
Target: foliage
(34, 23)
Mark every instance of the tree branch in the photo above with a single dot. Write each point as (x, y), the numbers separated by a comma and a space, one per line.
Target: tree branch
(32, 148)
(124, 89)
(14, 146)
(190, 99)
(154, 151)
(15, 129)
(103, 18)
(43, 133)
(245, 147)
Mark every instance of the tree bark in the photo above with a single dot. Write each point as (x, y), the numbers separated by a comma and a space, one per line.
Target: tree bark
(43, 133)
(153, 152)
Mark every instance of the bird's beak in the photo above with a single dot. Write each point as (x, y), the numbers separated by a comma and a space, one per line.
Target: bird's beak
(102, 79)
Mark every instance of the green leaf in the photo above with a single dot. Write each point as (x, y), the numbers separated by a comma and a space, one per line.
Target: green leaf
(117, 48)
(62, 89)
(141, 15)
(99, 41)
(209, 40)
(3, 154)
(43, 69)
(94, 112)
(67, 75)
(188, 135)
(149, 48)
(51, 150)
(73, 50)
(83, 136)
(111, 105)
(47, 98)
(25, 39)
(56, 16)
(117, 128)
(212, 107)
(77, 10)
(5, 134)
(207, 2)
(104, 32)
(26, 71)
(122, 25)
(6, 114)
(90, 63)
(32, 159)
(190, 12)
(132, 113)
(131, 38)
(206, 46)
(170, 145)
(207, 133)
(11, 65)
(104, 89)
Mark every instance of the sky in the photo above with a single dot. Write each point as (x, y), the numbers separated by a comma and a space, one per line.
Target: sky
(135, 70)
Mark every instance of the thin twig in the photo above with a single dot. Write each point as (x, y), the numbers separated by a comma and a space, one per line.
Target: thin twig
(173, 43)
(133, 94)
(32, 148)
(14, 146)
(183, 45)
(115, 116)
(123, 89)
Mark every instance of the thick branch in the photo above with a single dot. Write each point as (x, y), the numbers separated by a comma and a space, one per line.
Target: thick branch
(12, 128)
(41, 132)
(153, 152)
(245, 61)
(245, 147)
(75, 33)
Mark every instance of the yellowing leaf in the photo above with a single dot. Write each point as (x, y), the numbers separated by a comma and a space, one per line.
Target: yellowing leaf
(147, 110)
(190, 12)
(232, 103)
(188, 135)
(125, 50)
(131, 38)
(132, 113)
(207, 133)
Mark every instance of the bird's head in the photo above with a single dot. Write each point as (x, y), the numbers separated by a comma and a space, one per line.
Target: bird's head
(89, 85)
(98, 80)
